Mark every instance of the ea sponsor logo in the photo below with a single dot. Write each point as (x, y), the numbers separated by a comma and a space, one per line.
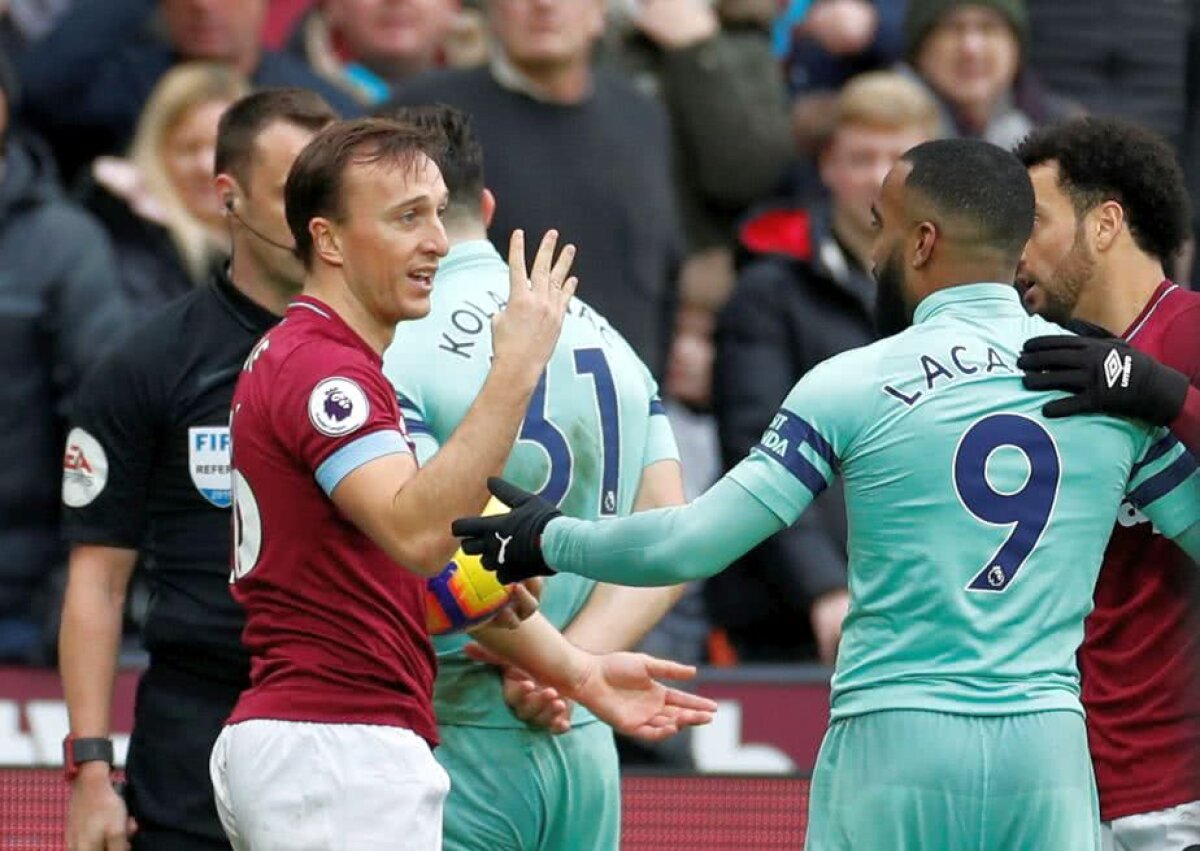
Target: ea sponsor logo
(85, 469)
(337, 406)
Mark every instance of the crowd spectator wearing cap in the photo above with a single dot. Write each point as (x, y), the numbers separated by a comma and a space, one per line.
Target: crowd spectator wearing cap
(972, 57)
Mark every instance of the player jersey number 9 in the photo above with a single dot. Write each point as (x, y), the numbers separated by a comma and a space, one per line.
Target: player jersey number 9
(1026, 509)
(247, 527)
(537, 428)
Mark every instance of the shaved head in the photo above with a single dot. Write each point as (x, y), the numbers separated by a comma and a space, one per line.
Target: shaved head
(979, 195)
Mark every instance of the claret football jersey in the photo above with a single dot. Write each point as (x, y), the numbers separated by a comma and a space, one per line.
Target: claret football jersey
(1139, 659)
(335, 628)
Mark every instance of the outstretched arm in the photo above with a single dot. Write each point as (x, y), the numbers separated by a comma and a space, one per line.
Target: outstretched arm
(622, 689)
(617, 617)
(662, 547)
(666, 546)
(795, 460)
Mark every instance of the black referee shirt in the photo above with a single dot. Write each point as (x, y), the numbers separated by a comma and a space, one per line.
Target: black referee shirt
(147, 468)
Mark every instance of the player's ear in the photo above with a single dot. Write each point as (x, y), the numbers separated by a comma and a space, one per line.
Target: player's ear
(487, 207)
(327, 244)
(1107, 221)
(926, 238)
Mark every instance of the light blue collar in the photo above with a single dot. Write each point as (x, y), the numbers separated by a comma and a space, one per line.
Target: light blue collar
(473, 252)
(976, 299)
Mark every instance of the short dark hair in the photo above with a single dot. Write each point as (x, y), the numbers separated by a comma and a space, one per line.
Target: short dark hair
(462, 156)
(1107, 159)
(241, 124)
(979, 185)
(314, 183)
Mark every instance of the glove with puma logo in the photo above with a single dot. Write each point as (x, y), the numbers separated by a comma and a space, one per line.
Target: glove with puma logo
(509, 544)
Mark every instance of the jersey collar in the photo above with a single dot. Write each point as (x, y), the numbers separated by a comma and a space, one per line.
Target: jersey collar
(1163, 290)
(325, 317)
(473, 252)
(249, 314)
(998, 299)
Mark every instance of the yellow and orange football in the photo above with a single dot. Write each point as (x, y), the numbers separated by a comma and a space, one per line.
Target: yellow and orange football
(465, 593)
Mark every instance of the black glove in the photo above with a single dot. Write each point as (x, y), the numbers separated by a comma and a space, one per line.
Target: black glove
(1107, 376)
(510, 544)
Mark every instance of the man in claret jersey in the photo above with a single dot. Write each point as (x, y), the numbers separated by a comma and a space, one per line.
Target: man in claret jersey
(1111, 212)
(337, 527)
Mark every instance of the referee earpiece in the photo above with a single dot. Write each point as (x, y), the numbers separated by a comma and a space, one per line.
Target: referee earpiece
(229, 202)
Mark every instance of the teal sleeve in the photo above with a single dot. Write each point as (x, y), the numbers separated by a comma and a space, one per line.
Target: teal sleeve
(416, 420)
(660, 439)
(1189, 541)
(1165, 485)
(810, 437)
(665, 546)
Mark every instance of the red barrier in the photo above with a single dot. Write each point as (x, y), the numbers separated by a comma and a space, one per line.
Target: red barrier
(697, 813)
(709, 813)
(771, 719)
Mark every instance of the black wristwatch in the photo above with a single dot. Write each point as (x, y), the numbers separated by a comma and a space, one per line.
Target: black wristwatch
(77, 751)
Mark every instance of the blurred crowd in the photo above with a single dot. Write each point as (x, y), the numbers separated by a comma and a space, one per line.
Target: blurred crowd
(714, 160)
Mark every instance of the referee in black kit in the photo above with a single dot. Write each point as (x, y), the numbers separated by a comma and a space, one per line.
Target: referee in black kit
(146, 470)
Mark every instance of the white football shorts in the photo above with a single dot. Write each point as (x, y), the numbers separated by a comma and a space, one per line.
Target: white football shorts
(1172, 829)
(292, 786)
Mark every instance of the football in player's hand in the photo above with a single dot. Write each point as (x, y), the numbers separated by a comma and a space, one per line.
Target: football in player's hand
(465, 593)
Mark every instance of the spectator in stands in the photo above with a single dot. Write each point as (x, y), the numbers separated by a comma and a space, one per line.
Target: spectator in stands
(711, 66)
(367, 47)
(60, 305)
(971, 55)
(577, 149)
(806, 296)
(834, 41)
(89, 79)
(159, 205)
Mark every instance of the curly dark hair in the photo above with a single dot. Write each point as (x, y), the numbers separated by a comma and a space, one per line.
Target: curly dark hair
(1102, 159)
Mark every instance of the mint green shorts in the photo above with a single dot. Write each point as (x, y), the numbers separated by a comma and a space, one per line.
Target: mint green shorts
(523, 790)
(907, 780)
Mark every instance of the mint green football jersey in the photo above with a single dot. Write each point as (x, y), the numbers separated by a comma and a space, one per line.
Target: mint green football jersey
(594, 423)
(976, 526)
